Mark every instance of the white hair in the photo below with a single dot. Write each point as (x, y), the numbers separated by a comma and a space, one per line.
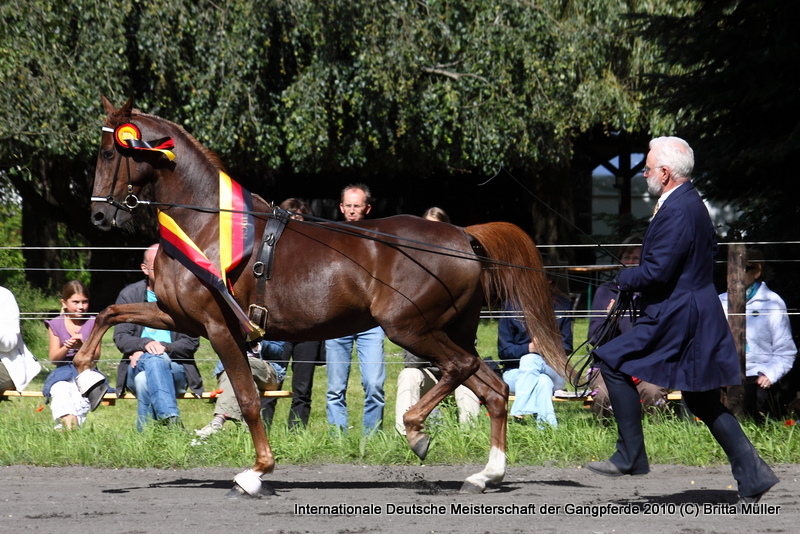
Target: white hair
(676, 154)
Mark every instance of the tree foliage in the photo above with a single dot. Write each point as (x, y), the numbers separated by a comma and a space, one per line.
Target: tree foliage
(734, 91)
(405, 94)
(311, 87)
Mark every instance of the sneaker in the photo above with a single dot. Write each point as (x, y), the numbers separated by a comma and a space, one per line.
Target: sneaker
(208, 430)
(172, 422)
(524, 420)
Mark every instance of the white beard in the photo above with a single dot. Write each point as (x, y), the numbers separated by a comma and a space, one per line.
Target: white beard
(654, 187)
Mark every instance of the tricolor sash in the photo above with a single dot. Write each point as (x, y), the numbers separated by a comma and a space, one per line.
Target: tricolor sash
(236, 228)
(236, 238)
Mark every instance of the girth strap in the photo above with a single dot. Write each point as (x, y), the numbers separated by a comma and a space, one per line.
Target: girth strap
(262, 268)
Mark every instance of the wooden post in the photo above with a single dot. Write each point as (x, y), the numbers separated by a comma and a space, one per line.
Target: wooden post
(737, 258)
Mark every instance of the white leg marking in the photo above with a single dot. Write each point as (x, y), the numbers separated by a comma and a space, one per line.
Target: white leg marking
(494, 471)
(249, 481)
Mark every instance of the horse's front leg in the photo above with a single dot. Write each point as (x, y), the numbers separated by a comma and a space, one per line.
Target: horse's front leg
(494, 392)
(143, 313)
(234, 359)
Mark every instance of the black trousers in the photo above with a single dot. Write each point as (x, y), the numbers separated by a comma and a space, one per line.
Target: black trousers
(751, 473)
(304, 356)
(758, 402)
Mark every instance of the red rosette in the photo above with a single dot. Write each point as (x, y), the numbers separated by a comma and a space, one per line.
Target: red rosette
(125, 132)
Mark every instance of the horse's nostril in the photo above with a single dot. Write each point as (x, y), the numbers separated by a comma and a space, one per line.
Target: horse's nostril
(98, 216)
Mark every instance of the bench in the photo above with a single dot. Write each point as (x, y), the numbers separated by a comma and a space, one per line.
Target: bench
(111, 398)
(561, 396)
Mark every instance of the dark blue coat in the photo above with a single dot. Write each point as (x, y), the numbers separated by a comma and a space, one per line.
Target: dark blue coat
(681, 339)
(513, 338)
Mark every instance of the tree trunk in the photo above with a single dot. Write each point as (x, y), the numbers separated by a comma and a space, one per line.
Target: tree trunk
(39, 229)
(737, 321)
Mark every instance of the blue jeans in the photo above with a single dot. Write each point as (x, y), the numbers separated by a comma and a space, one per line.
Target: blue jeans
(533, 384)
(369, 346)
(156, 381)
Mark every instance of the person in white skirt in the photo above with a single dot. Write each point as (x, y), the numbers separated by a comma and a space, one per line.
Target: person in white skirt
(17, 365)
(67, 333)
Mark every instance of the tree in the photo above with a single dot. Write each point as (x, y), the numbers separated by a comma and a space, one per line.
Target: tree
(306, 96)
(468, 88)
(733, 95)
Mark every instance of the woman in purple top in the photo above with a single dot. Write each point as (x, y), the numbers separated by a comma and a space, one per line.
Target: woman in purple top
(66, 333)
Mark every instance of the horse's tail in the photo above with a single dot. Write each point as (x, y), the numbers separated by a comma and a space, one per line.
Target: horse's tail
(516, 275)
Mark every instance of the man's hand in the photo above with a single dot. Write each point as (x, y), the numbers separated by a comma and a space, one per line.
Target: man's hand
(763, 382)
(155, 347)
(135, 358)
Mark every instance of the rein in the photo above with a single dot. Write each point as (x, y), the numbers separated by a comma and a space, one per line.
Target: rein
(624, 304)
(127, 137)
(334, 226)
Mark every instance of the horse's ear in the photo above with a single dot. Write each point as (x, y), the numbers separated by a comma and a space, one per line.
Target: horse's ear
(107, 105)
(126, 109)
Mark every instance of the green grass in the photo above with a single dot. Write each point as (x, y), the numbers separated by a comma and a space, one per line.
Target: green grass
(109, 437)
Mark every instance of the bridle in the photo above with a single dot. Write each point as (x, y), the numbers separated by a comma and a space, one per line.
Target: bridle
(127, 138)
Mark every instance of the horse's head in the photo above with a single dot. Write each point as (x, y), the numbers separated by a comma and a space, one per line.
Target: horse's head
(132, 152)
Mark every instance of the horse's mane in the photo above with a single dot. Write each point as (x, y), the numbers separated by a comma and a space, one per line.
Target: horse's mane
(211, 156)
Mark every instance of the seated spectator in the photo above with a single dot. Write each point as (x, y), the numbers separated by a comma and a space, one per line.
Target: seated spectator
(17, 365)
(267, 376)
(652, 397)
(66, 333)
(156, 365)
(770, 351)
(529, 378)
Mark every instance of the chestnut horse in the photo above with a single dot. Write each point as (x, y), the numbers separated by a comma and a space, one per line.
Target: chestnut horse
(421, 281)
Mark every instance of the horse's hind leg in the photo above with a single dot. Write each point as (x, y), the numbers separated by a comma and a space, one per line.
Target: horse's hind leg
(452, 377)
(414, 418)
(241, 378)
(488, 386)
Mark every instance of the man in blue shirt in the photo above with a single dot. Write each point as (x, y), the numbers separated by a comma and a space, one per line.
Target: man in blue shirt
(157, 365)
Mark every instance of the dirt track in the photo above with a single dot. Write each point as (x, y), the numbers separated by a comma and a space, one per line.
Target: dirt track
(126, 501)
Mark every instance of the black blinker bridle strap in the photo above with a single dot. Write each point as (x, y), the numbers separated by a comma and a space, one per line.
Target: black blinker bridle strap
(130, 200)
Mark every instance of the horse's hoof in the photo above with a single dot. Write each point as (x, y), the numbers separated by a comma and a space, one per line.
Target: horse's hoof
(248, 481)
(236, 492)
(420, 447)
(92, 386)
(471, 488)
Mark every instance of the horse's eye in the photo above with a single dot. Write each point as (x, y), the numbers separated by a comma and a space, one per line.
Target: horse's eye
(108, 155)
